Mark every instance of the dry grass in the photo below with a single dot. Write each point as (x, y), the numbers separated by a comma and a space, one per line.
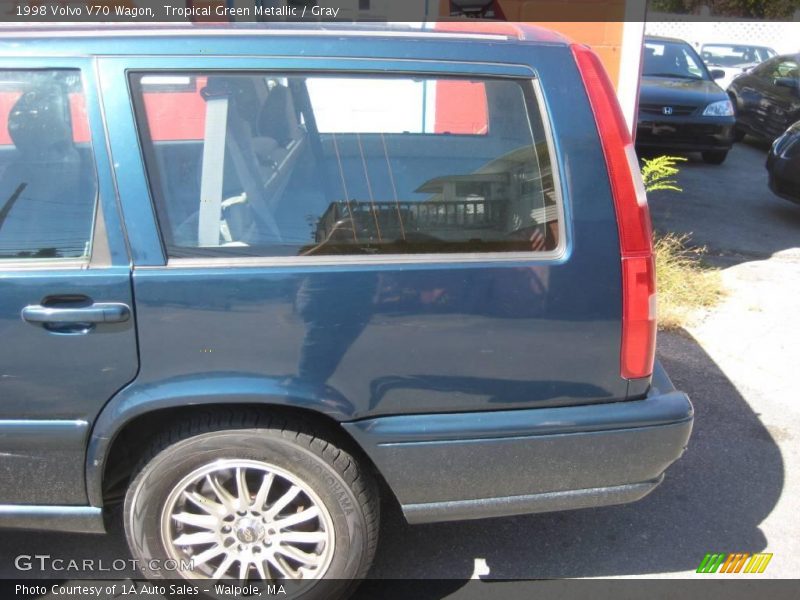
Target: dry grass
(685, 284)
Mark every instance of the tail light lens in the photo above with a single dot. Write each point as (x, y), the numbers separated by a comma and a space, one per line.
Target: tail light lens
(633, 219)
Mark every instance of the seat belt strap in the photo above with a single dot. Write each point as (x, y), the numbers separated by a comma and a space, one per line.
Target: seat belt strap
(252, 188)
(210, 214)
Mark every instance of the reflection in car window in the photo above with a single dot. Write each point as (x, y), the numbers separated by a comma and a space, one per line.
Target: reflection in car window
(263, 165)
(764, 69)
(786, 68)
(671, 59)
(47, 177)
(397, 106)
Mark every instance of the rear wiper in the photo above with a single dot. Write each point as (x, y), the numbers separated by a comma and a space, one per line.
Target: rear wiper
(9, 204)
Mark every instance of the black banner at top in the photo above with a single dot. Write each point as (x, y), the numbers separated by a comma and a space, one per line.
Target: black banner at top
(143, 12)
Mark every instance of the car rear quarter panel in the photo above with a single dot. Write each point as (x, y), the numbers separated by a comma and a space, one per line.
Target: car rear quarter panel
(499, 335)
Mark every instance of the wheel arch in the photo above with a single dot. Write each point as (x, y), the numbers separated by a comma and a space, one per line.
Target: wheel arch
(736, 101)
(123, 430)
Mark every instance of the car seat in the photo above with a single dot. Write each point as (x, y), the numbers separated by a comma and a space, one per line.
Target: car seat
(47, 190)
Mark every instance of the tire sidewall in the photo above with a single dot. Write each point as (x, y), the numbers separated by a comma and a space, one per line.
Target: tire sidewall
(147, 494)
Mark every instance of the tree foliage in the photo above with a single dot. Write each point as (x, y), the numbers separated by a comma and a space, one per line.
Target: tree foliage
(747, 9)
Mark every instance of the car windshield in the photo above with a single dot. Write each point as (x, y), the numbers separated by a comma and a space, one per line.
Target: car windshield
(672, 59)
(727, 55)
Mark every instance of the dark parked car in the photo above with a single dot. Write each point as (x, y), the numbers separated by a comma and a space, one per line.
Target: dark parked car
(239, 289)
(783, 164)
(681, 109)
(767, 98)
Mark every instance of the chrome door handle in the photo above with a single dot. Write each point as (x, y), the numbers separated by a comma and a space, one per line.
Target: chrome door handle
(110, 312)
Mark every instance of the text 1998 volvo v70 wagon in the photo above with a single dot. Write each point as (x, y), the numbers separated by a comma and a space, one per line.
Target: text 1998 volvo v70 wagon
(249, 277)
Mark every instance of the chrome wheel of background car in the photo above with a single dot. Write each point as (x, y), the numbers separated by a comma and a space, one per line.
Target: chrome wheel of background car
(247, 520)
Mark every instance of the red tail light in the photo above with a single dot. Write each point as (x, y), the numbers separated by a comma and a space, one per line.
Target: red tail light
(633, 219)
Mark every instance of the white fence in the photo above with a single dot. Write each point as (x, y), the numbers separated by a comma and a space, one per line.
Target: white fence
(784, 37)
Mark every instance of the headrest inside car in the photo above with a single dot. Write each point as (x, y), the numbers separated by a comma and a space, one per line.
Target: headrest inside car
(40, 126)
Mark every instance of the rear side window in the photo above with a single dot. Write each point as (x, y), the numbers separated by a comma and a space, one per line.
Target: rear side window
(263, 165)
(47, 176)
(786, 68)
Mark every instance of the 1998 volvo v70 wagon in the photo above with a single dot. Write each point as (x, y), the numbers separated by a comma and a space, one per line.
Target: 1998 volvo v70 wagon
(250, 276)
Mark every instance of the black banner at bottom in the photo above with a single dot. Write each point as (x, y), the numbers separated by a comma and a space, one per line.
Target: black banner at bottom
(716, 588)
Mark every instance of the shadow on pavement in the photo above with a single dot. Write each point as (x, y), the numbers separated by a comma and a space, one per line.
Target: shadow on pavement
(787, 212)
(713, 499)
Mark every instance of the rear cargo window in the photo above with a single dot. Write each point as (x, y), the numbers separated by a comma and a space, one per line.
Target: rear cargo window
(263, 165)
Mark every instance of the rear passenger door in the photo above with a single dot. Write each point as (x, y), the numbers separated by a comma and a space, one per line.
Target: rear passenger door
(751, 87)
(66, 311)
(358, 237)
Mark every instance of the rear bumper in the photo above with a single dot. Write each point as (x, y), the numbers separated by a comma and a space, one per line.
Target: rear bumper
(488, 464)
(785, 188)
(696, 134)
(784, 178)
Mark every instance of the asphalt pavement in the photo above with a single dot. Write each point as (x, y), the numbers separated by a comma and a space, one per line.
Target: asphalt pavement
(737, 489)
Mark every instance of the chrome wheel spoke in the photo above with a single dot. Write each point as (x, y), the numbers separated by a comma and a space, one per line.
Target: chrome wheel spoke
(263, 491)
(242, 493)
(282, 570)
(296, 518)
(201, 521)
(224, 566)
(244, 569)
(304, 558)
(303, 537)
(193, 539)
(207, 555)
(283, 502)
(203, 503)
(221, 493)
(262, 573)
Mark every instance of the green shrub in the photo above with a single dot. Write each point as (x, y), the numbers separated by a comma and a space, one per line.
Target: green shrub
(685, 283)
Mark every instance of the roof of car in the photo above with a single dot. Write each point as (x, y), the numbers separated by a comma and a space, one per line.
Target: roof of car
(658, 38)
(474, 30)
(736, 44)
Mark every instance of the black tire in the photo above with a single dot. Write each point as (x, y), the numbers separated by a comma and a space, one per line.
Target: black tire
(715, 157)
(738, 134)
(345, 488)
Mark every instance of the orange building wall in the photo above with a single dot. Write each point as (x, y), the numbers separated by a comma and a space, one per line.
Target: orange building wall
(605, 39)
(598, 23)
(601, 29)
